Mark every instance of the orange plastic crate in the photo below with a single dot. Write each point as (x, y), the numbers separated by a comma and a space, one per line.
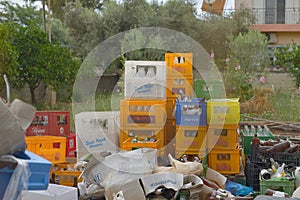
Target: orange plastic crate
(135, 114)
(128, 145)
(222, 136)
(67, 178)
(179, 64)
(225, 161)
(190, 140)
(157, 133)
(177, 85)
(52, 148)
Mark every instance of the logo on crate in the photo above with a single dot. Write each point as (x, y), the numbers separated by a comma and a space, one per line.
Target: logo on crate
(95, 143)
(145, 88)
(38, 131)
(61, 130)
(223, 167)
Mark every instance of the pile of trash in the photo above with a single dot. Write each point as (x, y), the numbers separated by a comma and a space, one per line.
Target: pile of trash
(135, 174)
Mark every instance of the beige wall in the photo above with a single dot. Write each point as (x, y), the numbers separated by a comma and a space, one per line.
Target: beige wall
(287, 38)
(238, 3)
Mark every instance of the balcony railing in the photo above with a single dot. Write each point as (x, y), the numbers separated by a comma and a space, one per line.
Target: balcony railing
(271, 16)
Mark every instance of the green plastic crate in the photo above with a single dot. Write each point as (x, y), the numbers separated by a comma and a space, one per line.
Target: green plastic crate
(247, 139)
(278, 184)
(209, 89)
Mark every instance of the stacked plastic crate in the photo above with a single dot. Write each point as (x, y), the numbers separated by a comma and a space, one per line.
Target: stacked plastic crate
(191, 127)
(179, 83)
(49, 136)
(143, 111)
(223, 116)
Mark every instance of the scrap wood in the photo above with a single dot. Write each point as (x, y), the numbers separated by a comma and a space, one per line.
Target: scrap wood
(282, 125)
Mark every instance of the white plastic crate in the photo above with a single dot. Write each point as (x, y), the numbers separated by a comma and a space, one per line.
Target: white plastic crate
(140, 89)
(145, 79)
(96, 132)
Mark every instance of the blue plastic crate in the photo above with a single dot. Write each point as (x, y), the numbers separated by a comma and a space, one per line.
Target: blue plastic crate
(39, 172)
(191, 112)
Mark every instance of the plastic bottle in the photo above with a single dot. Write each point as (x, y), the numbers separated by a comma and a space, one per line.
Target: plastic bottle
(274, 165)
(141, 72)
(279, 171)
(175, 60)
(267, 130)
(259, 131)
(150, 72)
(246, 130)
(253, 130)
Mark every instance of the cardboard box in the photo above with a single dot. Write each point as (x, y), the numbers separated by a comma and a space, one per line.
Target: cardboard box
(54, 192)
(131, 189)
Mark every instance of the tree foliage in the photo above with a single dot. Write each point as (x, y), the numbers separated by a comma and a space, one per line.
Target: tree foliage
(289, 56)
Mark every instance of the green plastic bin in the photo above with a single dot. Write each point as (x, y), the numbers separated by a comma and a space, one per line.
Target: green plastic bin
(209, 89)
(278, 184)
(247, 139)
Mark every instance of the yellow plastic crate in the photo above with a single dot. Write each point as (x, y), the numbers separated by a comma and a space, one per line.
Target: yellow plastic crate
(190, 141)
(143, 133)
(225, 111)
(179, 64)
(128, 145)
(222, 136)
(225, 161)
(143, 114)
(67, 178)
(179, 85)
(52, 148)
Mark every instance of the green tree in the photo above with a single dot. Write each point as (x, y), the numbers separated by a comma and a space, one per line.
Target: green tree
(39, 61)
(289, 56)
(248, 57)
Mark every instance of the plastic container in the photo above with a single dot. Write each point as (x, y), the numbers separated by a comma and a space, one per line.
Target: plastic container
(191, 112)
(39, 172)
(225, 111)
(52, 148)
(190, 140)
(179, 86)
(225, 161)
(247, 139)
(278, 184)
(252, 172)
(142, 114)
(209, 89)
(179, 64)
(259, 156)
(159, 134)
(143, 89)
(55, 123)
(129, 145)
(222, 136)
(71, 146)
(96, 132)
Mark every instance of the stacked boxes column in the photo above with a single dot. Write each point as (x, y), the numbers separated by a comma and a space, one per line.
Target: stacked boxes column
(179, 83)
(223, 116)
(143, 111)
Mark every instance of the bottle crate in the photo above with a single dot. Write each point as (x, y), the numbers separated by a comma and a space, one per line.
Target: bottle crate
(179, 64)
(129, 145)
(71, 145)
(283, 184)
(145, 80)
(225, 136)
(190, 140)
(96, 132)
(55, 123)
(178, 86)
(52, 148)
(248, 136)
(142, 114)
(223, 111)
(191, 112)
(225, 161)
(209, 89)
(127, 134)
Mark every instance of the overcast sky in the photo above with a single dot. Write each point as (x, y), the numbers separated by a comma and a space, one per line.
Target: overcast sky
(228, 5)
